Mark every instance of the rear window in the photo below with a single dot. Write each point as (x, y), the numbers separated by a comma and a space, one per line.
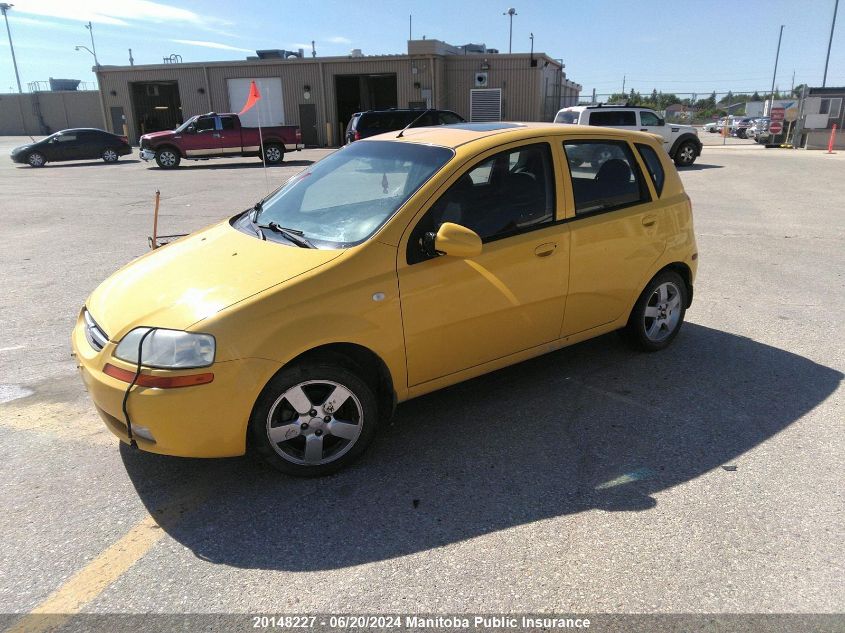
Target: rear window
(567, 116)
(613, 118)
(448, 118)
(654, 166)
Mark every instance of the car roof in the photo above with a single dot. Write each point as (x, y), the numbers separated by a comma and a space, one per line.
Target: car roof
(459, 134)
(82, 129)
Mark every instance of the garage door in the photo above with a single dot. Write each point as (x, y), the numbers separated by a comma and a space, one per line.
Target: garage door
(270, 107)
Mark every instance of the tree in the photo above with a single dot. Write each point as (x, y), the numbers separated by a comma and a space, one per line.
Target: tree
(756, 96)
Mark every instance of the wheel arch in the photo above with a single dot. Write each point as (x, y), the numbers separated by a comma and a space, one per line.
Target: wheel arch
(172, 146)
(683, 138)
(356, 357)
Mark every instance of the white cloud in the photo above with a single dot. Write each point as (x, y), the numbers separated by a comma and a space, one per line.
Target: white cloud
(117, 13)
(218, 45)
(338, 39)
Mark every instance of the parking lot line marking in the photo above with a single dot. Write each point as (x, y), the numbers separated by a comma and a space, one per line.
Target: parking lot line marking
(90, 581)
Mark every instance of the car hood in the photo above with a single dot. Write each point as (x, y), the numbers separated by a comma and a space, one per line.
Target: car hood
(196, 277)
(153, 136)
(683, 128)
(22, 148)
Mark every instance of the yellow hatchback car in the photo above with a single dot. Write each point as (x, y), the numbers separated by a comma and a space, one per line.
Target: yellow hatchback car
(396, 266)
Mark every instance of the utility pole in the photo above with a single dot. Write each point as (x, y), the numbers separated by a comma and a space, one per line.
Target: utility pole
(510, 12)
(774, 75)
(531, 37)
(624, 77)
(131, 61)
(93, 48)
(410, 27)
(4, 7)
(829, 42)
(792, 89)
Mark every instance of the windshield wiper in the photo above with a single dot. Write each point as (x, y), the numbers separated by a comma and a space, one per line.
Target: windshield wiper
(292, 235)
(252, 217)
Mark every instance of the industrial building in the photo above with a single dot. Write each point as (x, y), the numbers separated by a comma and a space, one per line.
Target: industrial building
(320, 93)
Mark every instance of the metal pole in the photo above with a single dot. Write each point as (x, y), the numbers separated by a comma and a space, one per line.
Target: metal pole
(5, 7)
(623, 85)
(829, 42)
(131, 61)
(410, 27)
(774, 74)
(510, 13)
(93, 48)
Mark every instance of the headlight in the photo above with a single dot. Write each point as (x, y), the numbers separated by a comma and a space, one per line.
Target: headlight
(168, 349)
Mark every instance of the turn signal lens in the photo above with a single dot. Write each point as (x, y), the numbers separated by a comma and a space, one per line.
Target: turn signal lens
(158, 382)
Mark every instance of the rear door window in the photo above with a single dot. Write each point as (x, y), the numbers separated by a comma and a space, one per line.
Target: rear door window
(613, 118)
(604, 176)
(567, 116)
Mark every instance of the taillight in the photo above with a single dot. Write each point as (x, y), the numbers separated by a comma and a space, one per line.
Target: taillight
(298, 135)
(125, 139)
(357, 136)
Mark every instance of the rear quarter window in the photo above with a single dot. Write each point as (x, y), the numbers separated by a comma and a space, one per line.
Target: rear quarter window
(654, 166)
(566, 117)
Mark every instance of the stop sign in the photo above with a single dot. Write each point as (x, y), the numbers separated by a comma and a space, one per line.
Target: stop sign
(778, 114)
(775, 127)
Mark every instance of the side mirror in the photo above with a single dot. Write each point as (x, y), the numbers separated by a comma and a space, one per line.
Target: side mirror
(661, 121)
(191, 129)
(453, 239)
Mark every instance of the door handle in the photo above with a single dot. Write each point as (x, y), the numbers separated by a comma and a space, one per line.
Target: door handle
(544, 250)
(642, 129)
(649, 220)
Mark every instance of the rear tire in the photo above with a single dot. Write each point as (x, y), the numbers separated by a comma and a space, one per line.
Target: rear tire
(110, 155)
(168, 158)
(686, 154)
(659, 312)
(274, 153)
(36, 159)
(313, 419)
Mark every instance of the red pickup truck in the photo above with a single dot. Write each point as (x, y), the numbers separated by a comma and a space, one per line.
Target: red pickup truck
(215, 135)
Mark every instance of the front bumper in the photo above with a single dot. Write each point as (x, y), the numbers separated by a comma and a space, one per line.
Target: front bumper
(147, 154)
(202, 421)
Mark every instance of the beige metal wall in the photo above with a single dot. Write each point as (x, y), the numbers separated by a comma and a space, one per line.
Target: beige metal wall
(520, 83)
(203, 87)
(59, 111)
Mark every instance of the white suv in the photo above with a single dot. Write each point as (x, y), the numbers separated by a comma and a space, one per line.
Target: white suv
(681, 141)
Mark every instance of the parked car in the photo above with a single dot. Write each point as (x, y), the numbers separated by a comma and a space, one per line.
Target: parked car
(372, 122)
(74, 144)
(680, 141)
(740, 126)
(759, 130)
(215, 135)
(389, 269)
(711, 127)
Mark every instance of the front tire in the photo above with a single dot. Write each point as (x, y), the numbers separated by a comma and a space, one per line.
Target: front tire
(110, 155)
(168, 158)
(686, 154)
(313, 419)
(659, 312)
(36, 159)
(274, 154)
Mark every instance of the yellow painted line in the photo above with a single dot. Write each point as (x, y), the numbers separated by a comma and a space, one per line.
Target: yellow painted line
(89, 582)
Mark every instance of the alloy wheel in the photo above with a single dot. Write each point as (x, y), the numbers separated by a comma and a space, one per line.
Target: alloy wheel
(663, 312)
(315, 422)
(273, 154)
(168, 158)
(36, 159)
(110, 156)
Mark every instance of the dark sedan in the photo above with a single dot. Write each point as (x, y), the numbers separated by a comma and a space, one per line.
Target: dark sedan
(79, 144)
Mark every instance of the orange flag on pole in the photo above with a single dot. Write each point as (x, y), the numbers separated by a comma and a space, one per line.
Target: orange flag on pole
(254, 96)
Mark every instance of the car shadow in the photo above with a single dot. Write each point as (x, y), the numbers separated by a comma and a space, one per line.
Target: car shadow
(591, 426)
(699, 167)
(251, 165)
(86, 163)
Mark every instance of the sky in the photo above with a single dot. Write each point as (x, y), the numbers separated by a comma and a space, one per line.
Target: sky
(683, 46)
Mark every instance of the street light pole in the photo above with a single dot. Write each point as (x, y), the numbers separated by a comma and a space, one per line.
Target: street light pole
(4, 7)
(774, 75)
(829, 42)
(510, 13)
(94, 48)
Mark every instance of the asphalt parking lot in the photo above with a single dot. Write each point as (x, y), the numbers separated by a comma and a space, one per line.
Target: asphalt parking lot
(705, 478)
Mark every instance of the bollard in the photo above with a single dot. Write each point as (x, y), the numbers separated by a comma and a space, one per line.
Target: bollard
(832, 140)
